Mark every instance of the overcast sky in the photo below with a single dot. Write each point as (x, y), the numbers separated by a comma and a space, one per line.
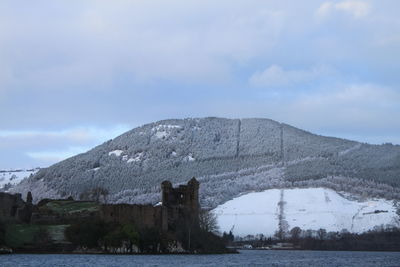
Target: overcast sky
(74, 74)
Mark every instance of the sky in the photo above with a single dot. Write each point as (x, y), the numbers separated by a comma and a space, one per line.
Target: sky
(74, 74)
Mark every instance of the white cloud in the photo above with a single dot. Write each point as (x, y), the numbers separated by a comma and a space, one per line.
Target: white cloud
(276, 76)
(96, 62)
(79, 135)
(348, 107)
(45, 147)
(325, 9)
(51, 157)
(357, 9)
(176, 41)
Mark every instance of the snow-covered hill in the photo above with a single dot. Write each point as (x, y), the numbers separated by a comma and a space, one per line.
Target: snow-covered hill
(228, 156)
(307, 208)
(10, 178)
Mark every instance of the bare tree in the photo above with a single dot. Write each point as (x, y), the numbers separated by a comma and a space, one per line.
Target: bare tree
(295, 233)
(208, 221)
(280, 235)
(321, 233)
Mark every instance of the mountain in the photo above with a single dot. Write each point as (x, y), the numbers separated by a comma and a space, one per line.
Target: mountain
(307, 208)
(228, 156)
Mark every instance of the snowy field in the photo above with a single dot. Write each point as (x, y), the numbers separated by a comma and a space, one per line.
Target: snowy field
(311, 208)
(14, 177)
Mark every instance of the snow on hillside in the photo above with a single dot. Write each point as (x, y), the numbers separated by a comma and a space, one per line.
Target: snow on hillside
(163, 131)
(13, 177)
(311, 208)
(116, 152)
(228, 156)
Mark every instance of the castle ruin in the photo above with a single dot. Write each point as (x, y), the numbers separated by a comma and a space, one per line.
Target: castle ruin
(14, 209)
(178, 205)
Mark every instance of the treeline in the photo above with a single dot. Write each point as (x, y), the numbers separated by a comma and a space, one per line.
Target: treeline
(186, 236)
(384, 240)
(126, 238)
(2, 234)
(112, 237)
(379, 239)
(102, 237)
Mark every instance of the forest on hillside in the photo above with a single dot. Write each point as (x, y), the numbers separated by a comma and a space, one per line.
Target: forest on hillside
(229, 157)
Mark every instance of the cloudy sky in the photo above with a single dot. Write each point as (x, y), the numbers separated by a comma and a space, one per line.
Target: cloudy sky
(74, 74)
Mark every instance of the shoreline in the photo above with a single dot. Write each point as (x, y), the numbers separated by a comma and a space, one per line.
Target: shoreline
(116, 254)
(238, 251)
(299, 249)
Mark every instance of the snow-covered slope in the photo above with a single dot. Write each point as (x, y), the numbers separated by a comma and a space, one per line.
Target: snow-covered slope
(310, 208)
(228, 156)
(13, 177)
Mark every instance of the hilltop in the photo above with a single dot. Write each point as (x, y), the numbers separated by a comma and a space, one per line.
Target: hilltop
(228, 156)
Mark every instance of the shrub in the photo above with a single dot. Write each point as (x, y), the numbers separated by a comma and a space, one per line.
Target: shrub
(87, 234)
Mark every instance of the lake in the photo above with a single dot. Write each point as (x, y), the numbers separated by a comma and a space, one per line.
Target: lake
(245, 258)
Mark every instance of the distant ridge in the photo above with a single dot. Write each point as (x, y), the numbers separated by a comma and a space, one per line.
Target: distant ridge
(228, 156)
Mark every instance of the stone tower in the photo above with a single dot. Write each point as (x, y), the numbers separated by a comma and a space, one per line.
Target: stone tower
(181, 204)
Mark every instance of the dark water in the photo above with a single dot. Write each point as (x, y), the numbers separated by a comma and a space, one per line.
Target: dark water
(245, 258)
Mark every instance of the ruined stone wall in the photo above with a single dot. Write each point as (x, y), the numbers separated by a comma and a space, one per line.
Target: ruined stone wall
(8, 204)
(44, 217)
(64, 211)
(143, 216)
(13, 208)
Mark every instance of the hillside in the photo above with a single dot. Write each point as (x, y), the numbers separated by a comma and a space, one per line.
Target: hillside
(9, 178)
(310, 209)
(228, 156)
